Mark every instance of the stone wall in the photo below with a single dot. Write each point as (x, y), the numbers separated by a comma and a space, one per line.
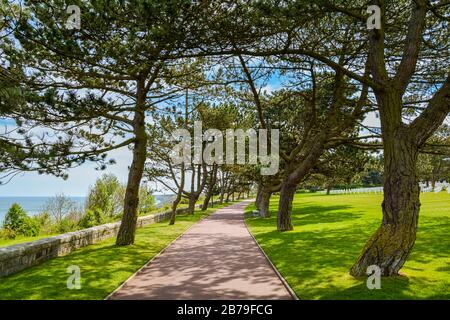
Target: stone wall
(21, 256)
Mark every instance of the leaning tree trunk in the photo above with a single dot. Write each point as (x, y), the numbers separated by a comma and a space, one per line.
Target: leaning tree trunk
(127, 228)
(192, 201)
(208, 196)
(222, 188)
(264, 203)
(227, 198)
(285, 207)
(222, 195)
(212, 184)
(175, 203)
(391, 244)
(177, 200)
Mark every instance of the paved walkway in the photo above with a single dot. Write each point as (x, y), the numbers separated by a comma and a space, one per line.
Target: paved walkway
(215, 259)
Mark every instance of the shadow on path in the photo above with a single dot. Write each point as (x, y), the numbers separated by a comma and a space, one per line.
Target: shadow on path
(215, 259)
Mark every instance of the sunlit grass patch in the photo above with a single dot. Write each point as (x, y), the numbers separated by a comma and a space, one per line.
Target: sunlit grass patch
(329, 234)
(103, 266)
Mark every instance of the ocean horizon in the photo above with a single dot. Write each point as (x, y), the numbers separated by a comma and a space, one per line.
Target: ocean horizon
(36, 205)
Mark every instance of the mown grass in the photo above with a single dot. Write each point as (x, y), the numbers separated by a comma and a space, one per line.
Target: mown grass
(330, 232)
(22, 239)
(103, 266)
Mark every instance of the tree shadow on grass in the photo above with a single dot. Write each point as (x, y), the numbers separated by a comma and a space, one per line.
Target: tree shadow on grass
(103, 266)
(316, 257)
(433, 239)
(392, 288)
(317, 214)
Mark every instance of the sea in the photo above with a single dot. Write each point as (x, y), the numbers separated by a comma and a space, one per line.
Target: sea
(35, 205)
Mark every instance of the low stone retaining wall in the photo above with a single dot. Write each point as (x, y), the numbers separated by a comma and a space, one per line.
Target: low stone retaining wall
(21, 256)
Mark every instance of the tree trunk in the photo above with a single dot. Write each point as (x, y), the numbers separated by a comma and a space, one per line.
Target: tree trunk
(174, 209)
(192, 201)
(391, 244)
(208, 196)
(258, 197)
(222, 195)
(222, 187)
(328, 189)
(285, 207)
(127, 228)
(264, 211)
(212, 183)
(178, 198)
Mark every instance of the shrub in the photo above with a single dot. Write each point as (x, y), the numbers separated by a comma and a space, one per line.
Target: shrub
(15, 217)
(66, 225)
(146, 201)
(107, 195)
(44, 221)
(31, 228)
(7, 233)
(92, 218)
(18, 222)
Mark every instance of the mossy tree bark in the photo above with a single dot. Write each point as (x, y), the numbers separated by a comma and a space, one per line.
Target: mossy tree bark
(391, 244)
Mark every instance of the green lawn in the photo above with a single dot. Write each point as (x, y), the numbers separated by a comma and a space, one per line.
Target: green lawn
(22, 239)
(329, 234)
(103, 265)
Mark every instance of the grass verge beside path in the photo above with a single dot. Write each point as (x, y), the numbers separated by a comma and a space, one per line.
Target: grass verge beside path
(329, 234)
(103, 265)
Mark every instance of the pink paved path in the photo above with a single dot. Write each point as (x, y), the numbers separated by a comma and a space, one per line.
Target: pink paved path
(215, 259)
